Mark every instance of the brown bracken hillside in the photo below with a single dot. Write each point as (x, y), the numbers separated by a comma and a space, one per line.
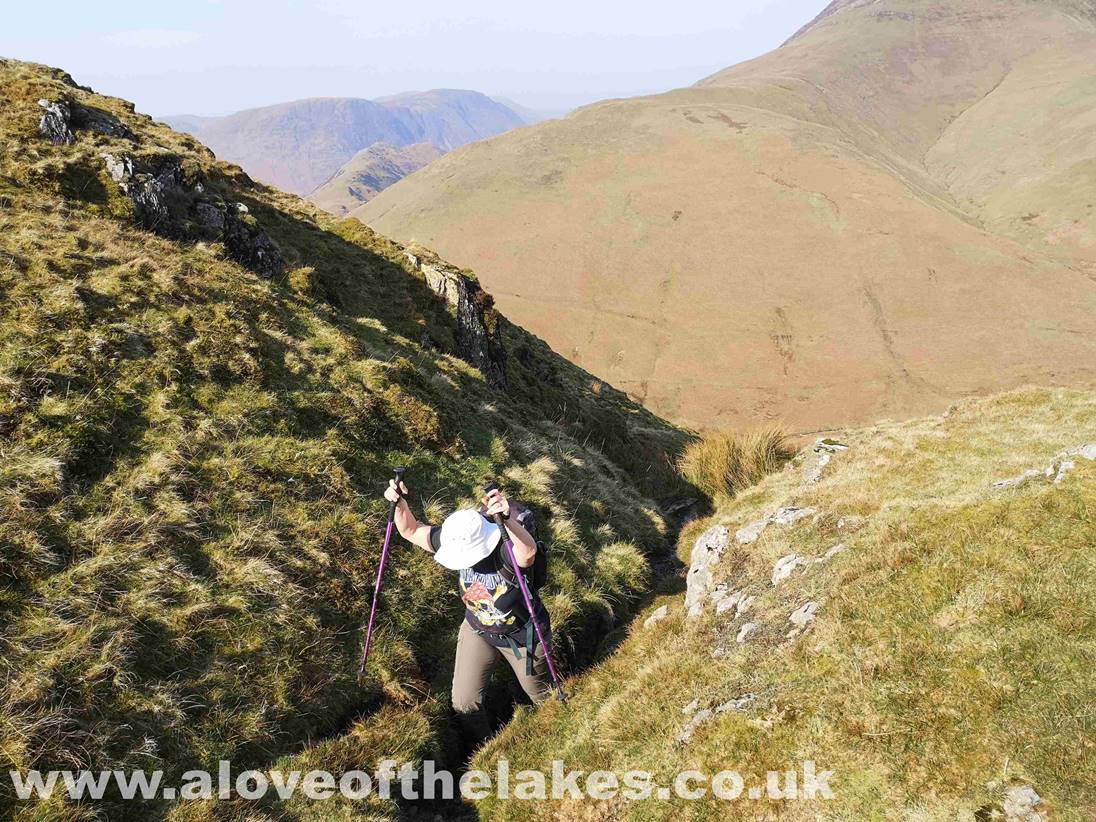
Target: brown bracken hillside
(895, 209)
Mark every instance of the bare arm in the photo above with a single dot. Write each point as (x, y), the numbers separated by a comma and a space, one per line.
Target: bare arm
(415, 532)
(525, 547)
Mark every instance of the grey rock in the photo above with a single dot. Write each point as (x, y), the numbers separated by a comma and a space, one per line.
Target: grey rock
(1064, 467)
(830, 554)
(824, 450)
(1021, 805)
(695, 721)
(62, 119)
(119, 167)
(56, 122)
(743, 606)
(691, 707)
(749, 533)
(1087, 452)
(166, 204)
(1022, 479)
(93, 119)
(1061, 465)
(739, 703)
(707, 550)
(784, 516)
(744, 633)
(252, 247)
(478, 338)
(657, 616)
(726, 603)
(785, 566)
(802, 616)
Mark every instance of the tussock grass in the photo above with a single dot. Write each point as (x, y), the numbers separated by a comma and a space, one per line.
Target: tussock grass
(722, 464)
(951, 656)
(191, 459)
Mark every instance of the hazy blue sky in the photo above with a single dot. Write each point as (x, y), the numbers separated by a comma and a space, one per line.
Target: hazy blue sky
(217, 56)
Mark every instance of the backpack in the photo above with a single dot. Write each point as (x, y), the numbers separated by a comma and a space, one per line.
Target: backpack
(537, 575)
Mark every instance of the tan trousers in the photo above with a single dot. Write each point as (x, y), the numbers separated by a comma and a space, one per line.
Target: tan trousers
(476, 658)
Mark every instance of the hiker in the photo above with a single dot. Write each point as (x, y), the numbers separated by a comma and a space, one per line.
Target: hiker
(496, 622)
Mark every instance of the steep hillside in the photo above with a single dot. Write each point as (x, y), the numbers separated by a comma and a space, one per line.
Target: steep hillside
(891, 211)
(369, 172)
(298, 146)
(204, 384)
(918, 620)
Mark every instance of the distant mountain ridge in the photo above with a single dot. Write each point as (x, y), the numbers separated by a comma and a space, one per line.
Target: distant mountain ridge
(299, 145)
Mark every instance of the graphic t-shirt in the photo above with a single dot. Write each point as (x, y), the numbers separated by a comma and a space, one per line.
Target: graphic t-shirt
(494, 605)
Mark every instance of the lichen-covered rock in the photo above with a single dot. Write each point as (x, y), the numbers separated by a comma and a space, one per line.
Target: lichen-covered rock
(478, 339)
(707, 550)
(744, 633)
(56, 122)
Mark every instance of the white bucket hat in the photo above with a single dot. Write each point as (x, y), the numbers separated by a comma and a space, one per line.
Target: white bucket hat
(464, 539)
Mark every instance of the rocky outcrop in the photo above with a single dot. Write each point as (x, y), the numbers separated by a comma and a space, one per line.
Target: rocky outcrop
(174, 203)
(478, 339)
(62, 118)
(784, 516)
(707, 551)
(825, 449)
(56, 123)
(1055, 472)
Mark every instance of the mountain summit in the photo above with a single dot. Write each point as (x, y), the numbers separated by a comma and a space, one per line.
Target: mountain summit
(892, 210)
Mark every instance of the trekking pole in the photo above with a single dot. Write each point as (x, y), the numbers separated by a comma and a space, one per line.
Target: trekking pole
(399, 472)
(508, 543)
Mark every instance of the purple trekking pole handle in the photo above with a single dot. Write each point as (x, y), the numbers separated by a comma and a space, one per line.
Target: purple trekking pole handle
(399, 472)
(508, 543)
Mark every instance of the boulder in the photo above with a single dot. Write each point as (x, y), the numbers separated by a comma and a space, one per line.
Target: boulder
(707, 550)
(56, 122)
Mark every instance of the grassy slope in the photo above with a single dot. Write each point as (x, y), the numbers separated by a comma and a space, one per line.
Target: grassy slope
(954, 646)
(785, 241)
(190, 458)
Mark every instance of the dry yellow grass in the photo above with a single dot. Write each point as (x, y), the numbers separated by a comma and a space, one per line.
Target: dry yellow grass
(723, 464)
